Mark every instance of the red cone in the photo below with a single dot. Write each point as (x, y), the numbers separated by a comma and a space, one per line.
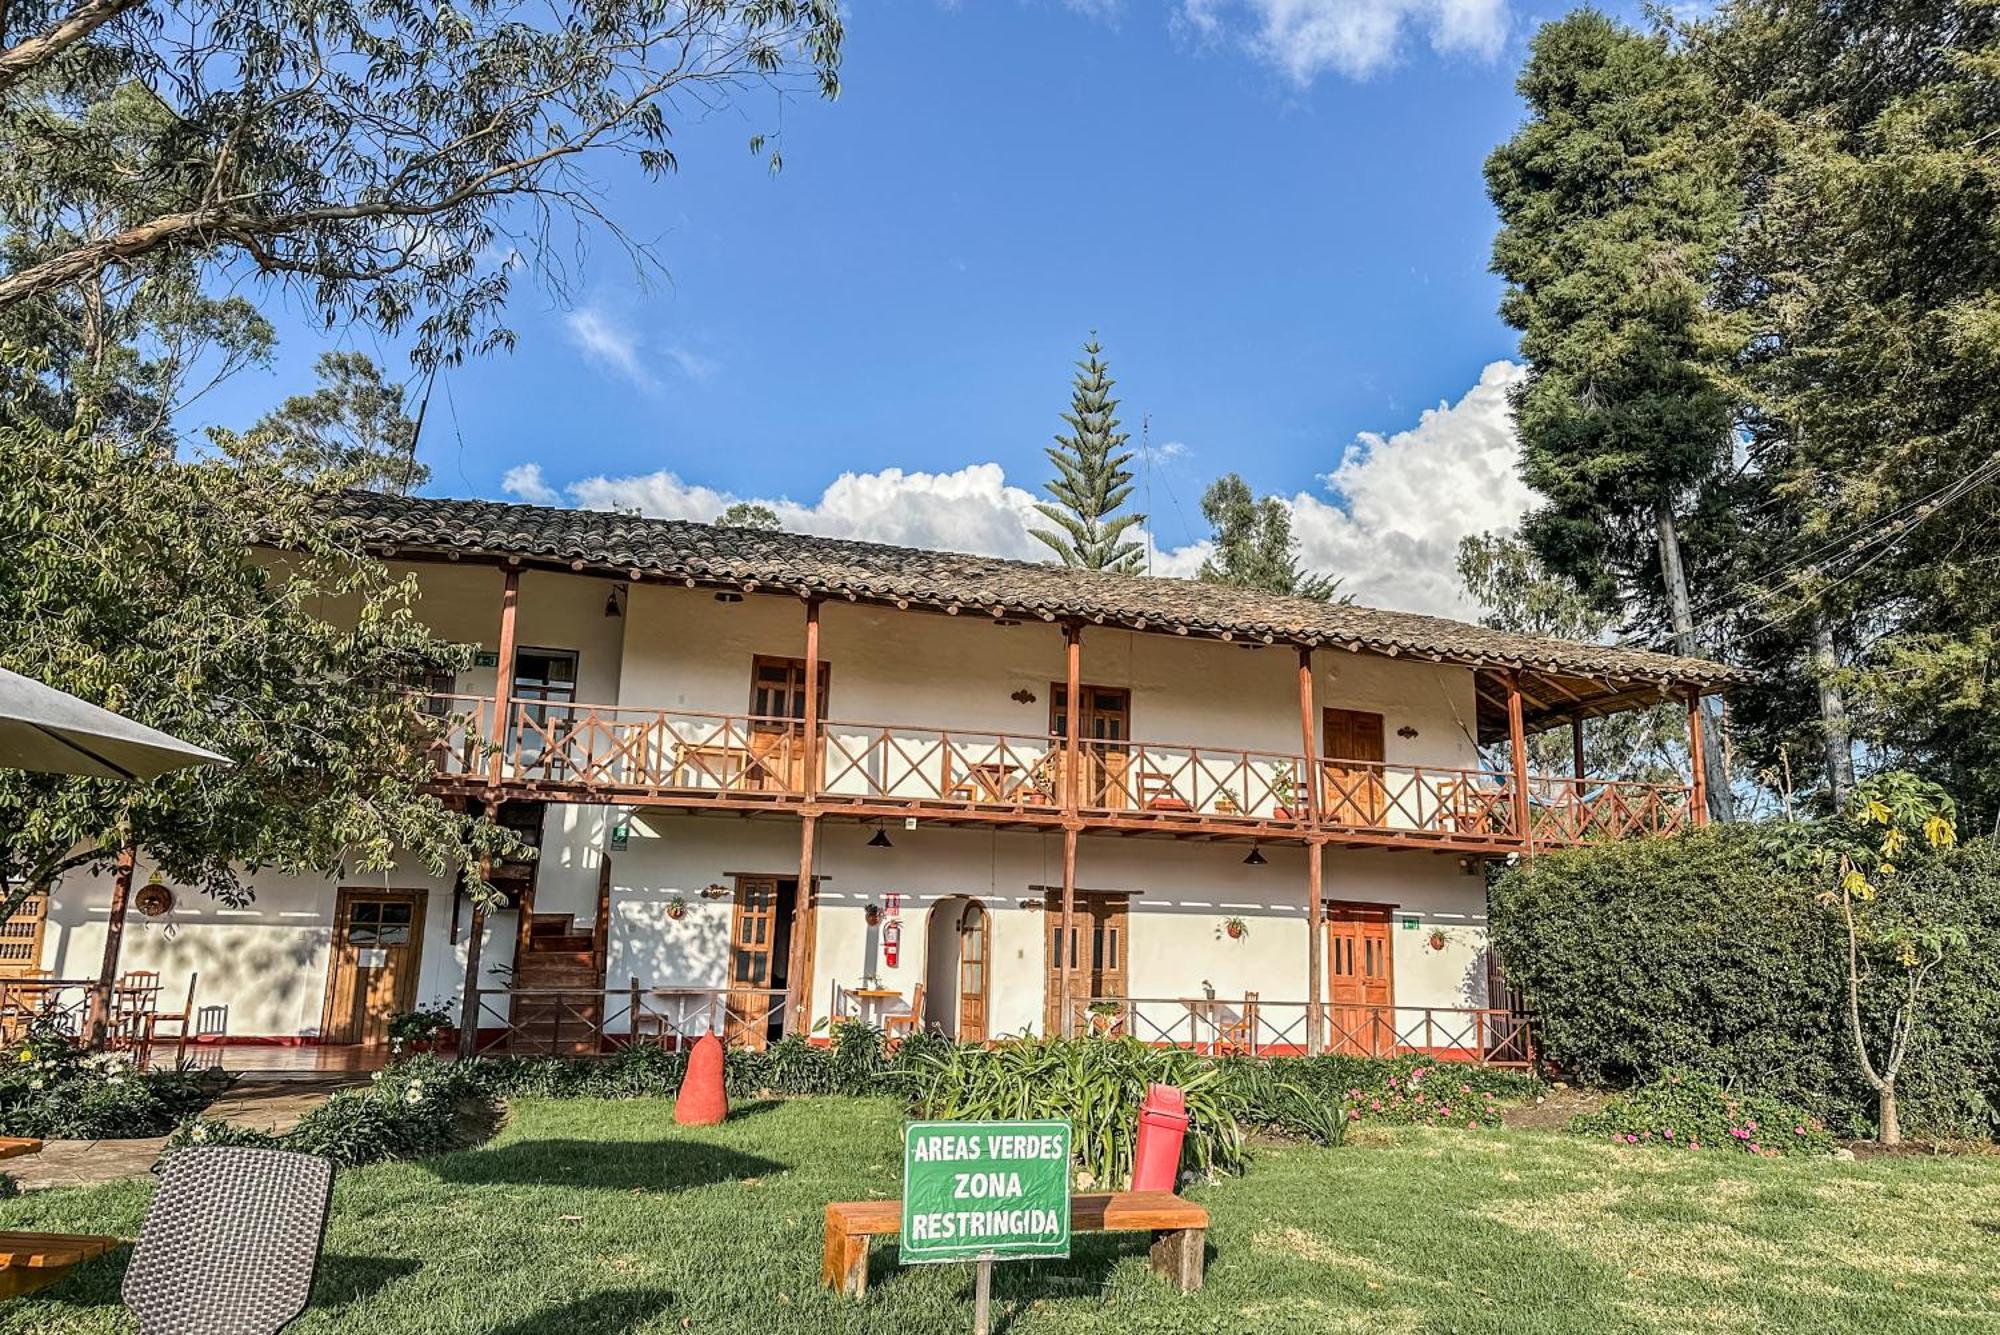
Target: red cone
(702, 1100)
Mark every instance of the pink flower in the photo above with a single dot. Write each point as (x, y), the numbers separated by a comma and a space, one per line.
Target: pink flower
(1668, 1133)
(1444, 1110)
(1694, 1144)
(1354, 1114)
(1471, 1123)
(1375, 1105)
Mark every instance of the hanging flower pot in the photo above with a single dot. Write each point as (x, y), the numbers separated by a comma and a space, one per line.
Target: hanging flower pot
(1438, 939)
(677, 908)
(1235, 928)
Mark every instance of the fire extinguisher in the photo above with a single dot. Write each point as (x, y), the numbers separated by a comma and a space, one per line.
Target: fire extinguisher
(892, 942)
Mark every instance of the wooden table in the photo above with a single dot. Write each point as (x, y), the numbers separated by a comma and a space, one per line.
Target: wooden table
(880, 997)
(13, 1147)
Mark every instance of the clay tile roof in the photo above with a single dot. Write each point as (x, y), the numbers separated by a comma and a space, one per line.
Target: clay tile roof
(609, 542)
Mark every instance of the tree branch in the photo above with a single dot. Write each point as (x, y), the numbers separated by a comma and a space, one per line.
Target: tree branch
(23, 58)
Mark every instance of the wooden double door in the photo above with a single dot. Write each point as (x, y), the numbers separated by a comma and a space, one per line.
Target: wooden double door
(1361, 981)
(378, 938)
(1096, 947)
(1104, 728)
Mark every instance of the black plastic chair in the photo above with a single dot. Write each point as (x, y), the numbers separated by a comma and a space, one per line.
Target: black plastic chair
(231, 1242)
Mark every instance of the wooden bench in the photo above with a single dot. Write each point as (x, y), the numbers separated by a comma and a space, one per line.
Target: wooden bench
(30, 1261)
(1179, 1229)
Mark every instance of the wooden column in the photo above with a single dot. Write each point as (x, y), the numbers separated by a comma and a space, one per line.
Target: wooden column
(798, 967)
(1576, 745)
(114, 937)
(1517, 739)
(503, 675)
(1072, 800)
(1313, 796)
(1697, 762)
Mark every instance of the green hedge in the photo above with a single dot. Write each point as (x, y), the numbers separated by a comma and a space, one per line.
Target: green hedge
(410, 1110)
(1702, 954)
(51, 1089)
(1692, 1112)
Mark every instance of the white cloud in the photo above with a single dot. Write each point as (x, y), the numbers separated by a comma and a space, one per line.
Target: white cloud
(1401, 502)
(605, 340)
(1304, 39)
(1388, 523)
(692, 364)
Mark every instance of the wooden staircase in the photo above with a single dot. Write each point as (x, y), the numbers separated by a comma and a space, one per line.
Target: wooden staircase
(553, 953)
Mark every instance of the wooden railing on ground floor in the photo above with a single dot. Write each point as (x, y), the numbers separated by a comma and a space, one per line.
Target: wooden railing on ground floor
(580, 1022)
(621, 751)
(1252, 1026)
(588, 1022)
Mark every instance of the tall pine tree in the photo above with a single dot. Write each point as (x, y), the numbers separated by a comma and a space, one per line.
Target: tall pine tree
(1091, 481)
(1612, 214)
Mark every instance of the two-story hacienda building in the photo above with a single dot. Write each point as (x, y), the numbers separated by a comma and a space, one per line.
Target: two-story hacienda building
(776, 779)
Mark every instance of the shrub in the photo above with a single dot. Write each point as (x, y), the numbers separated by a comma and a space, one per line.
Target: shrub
(411, 1109)
(1097, 1084)
(1407, 1091)
(1692, 1112)
(1702, 954)
(51, 1089)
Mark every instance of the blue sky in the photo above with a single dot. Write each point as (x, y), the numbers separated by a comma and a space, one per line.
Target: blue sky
(1271, 210)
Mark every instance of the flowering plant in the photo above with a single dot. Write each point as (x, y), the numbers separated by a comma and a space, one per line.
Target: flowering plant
(51, 1088)
(1692, 1112)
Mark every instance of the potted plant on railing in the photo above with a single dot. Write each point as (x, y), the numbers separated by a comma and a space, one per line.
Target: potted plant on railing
(1233, 928)
(1104, 1013)
(417, 1030)
(1226, 802)
(1284, 789)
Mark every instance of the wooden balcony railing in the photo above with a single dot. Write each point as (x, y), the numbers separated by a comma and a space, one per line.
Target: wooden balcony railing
(621, 751)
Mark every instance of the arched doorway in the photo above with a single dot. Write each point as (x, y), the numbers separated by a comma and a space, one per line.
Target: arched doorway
(958, 948)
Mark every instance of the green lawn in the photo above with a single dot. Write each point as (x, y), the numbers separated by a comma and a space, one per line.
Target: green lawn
(597, 1217)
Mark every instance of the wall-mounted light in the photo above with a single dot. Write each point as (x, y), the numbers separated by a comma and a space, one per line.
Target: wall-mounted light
(614, 601)
(1024, 696)
(726, 596)
(1256, 858)
(1406, 732)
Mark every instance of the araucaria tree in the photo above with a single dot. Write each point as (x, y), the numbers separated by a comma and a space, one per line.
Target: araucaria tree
(137, 582)
(394, 162)
(1254, 545)
(1091, 481)
(1613, 211)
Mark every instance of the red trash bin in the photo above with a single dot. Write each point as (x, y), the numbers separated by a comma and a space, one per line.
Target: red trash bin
(1163, 1122)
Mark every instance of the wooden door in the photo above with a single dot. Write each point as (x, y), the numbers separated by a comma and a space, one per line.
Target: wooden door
(1102, 729)
(974, 951)
(21, 938)
(1361, 985)
(544, 695)
(756, 932)
(378, 938)
(1097, 948)
(1354, 750)
(777, 721)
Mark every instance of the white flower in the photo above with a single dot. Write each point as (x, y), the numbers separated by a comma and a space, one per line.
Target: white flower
(414, 1094)
(36, 1083)
(115, 1080)
(377, 1076)
(199, 1134)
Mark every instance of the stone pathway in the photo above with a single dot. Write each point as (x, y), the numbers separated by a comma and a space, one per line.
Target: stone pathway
(265, 1105)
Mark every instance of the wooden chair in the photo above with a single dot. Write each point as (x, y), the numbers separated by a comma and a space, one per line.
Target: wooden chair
(136, 996)
(894, 1026)
(182, 1020)
(1157, 792)
(1237, 1032)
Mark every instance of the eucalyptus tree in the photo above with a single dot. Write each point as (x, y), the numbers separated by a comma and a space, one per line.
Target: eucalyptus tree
(1613, 209)
(1254, 544)
(392, 162)
(355, 424)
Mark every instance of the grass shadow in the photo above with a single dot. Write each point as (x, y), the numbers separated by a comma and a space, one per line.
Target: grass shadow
(606, 1313)
(348, 1279)
(619, 1165)
(1019, 1286)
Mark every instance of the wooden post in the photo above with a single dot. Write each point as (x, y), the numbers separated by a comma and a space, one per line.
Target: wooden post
(810, 742)
(1576, 745)
(1313, 797)
(503, 675)
(798, 982)
(1697, 761)
(1517, 739)
(114, 937)
(1072, 800)
(632, 1014)
(468, 1010)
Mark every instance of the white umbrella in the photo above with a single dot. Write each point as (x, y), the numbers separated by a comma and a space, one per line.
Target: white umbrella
(45, 730)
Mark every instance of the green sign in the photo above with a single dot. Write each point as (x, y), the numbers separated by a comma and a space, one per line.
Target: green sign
(621, 837)
(985, 1190)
